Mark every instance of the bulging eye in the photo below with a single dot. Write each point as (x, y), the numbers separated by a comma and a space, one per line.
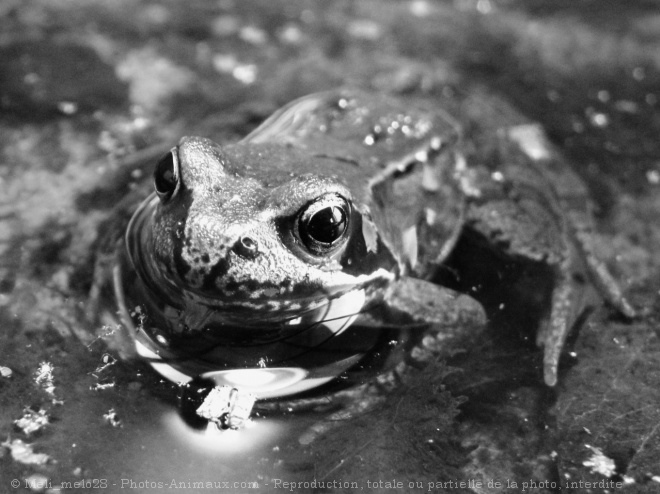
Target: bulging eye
(323, 224)
(166, 176)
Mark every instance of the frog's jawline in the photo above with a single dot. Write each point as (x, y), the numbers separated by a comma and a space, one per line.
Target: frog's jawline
(179, 322)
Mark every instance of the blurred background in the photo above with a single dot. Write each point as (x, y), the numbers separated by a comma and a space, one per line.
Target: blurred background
(84, 85)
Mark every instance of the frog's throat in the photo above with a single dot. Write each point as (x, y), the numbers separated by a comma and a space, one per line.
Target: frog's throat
(310, 351)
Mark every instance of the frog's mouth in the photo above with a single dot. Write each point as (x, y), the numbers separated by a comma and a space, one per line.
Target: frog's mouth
(272, 357)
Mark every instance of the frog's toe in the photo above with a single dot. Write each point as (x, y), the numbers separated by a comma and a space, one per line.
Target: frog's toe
(568, 301)
(551, 365)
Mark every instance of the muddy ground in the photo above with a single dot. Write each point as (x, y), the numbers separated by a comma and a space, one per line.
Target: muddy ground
(84, 85)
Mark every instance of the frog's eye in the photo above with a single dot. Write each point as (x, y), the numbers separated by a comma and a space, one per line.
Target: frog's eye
(166, 176)
(323, 224)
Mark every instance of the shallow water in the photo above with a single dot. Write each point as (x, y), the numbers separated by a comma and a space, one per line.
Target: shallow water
(86, 84)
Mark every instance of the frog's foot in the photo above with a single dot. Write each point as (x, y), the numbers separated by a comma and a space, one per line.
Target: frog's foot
(569, 298)
(536, 209)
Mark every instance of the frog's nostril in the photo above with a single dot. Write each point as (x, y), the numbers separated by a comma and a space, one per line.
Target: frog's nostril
(247, 247)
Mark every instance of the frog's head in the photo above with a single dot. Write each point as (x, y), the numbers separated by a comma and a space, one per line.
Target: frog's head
(235, 238)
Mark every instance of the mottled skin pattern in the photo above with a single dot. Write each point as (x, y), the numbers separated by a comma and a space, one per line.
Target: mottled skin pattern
(223, 251)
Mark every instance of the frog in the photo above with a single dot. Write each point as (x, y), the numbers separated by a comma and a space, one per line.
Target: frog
(269, 268)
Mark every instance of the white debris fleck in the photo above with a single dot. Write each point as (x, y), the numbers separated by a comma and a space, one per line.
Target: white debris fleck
(112, 418)
(599, 463)
(5, 371)
(106, 361)
(531, 139)
(253, 35)
(23, 453)
(44, 377)
(465, 176)
(224, 63)
(227, 407)
(246, 74)
(67, 107)
(597, 119)
(497, 176)
(653, 177)
(431, 216)
(365, 29)
(420, 8)
(656, 478)
(101, 386)
(291, 34)
(32, 421)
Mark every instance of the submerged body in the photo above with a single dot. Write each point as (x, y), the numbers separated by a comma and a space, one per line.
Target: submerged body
(275, 264)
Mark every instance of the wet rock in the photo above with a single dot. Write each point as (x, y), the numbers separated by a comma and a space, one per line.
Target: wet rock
(42, 79)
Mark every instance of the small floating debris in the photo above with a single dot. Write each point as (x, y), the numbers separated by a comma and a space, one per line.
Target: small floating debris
(67, 107)
(44, 377)
(23, 453)
(253, 35)
(101, 386)
(653, 177)
(6, 371)
(291, 34)
(246, 74)
(599, 463)
(106, 361)
(365, 29)
(105, 332)
(229, 64)
(32, 421)
(227, 407)
(420, 8)
(112, 418)
(596, 118)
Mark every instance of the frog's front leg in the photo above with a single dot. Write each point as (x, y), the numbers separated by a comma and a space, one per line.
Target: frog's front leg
(442, 321)
(448, 317)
